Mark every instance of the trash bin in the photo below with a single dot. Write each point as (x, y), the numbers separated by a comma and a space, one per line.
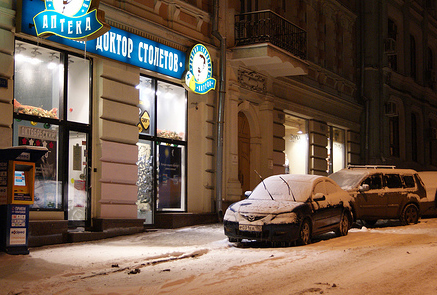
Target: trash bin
(17, 188)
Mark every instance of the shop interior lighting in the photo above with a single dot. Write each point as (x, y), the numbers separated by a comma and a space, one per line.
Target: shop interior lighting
(19, 56)
(300, 130)
(19, 48)
(53, 63)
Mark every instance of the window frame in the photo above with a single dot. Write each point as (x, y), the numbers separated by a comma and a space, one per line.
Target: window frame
(156, 141)
(64, 128)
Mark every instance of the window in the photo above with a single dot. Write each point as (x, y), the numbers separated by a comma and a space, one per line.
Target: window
(52, 92)
(413, 61)
(374, 181)
(162, 145)
(409, 181)
(296, 145)
(392, 181)
(414, 147)
(394, 136)
(336, 149)
(392, 33)
(430, 76)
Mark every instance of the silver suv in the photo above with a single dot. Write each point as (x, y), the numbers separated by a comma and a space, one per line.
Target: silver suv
(382, 192)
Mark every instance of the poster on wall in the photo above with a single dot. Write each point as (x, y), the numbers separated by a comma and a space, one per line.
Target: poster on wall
(45, 172)
(170, 185)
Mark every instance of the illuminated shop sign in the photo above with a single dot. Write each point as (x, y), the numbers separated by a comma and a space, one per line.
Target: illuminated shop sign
(114, 44)
(72, 19)
(198, 78)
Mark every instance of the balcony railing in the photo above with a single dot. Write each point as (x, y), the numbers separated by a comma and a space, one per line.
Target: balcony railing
(268, 27)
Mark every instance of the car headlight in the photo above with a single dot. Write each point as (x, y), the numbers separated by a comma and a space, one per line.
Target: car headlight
(230, 215)
(284, 218)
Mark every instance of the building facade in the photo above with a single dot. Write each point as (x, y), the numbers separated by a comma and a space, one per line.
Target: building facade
(291, 90)
(301, 86)
(398, 87)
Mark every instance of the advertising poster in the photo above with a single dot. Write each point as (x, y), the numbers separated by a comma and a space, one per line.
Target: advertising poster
(45, 171)
(19, 215)
(170, 186)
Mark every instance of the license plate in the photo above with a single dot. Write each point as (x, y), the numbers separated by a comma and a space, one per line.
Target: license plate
(249, 227)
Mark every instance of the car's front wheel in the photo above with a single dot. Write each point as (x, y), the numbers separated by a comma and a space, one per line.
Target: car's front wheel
(305, 233)
(410, 214)
(344, 226)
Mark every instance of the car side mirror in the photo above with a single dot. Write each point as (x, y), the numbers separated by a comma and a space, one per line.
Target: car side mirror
(319, 197)
(247, 194)
(364, 188)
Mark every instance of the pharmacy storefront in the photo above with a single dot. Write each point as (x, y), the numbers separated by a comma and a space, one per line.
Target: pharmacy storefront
(117, 142)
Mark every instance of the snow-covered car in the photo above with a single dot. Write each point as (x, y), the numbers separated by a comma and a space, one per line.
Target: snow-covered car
(289, 208)
(429, 204)
(382, 192)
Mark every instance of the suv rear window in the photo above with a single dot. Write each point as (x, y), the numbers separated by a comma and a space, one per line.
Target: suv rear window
(409, 181)
(392, 181)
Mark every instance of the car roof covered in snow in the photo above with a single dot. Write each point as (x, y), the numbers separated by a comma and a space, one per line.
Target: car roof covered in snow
(350, 178)
(301, 186)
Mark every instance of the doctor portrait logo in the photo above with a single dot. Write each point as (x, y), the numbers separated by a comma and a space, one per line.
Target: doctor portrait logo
(71, 19)
(198, 78)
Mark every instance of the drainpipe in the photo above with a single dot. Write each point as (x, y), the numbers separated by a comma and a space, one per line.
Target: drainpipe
(220, 115)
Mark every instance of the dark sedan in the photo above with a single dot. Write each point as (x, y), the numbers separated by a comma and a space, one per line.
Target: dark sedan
(289, 208)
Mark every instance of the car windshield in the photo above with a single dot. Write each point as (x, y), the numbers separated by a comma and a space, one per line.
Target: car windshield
(280, 192)
(348, 179)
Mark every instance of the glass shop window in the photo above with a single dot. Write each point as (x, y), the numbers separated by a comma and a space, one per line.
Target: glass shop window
(39, 79)
(162, 144)
(48, 184)
(52, 93)
(296, 145)
(336, 149)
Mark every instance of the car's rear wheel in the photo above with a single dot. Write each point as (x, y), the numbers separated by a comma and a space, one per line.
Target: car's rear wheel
(410, 214)
(305, 233)
(344, 226)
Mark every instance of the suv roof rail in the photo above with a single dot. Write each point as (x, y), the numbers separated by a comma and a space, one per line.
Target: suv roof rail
(371, 166)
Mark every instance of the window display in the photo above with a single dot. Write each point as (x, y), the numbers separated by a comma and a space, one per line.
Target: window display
(336, 150)
(52, 90)
(296, 145)
(38, 81)
(171, 162)
(47, 185)
(171, 111)
(146, 106)
(77, 176)
(145, 181)
(161, 147)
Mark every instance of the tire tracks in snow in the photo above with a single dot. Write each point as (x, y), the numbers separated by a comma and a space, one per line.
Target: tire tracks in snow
(136, 268)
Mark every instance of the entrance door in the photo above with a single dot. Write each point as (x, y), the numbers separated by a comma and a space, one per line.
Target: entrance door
(244, 152)
(78, 187)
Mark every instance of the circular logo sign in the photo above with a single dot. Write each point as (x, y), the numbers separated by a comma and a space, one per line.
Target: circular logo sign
(198, 78)
(70, 7)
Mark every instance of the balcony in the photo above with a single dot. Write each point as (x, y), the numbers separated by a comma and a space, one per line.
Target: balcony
(267, 42)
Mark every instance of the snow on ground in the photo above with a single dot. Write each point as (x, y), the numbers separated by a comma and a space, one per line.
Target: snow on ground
(386, 259)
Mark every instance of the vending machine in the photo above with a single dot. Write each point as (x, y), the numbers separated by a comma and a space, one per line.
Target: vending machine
(17, 188)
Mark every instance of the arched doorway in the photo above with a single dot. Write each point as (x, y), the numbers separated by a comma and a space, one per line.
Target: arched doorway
(244, 152)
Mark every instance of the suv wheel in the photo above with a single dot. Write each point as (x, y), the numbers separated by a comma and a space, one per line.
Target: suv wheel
(410, 214)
